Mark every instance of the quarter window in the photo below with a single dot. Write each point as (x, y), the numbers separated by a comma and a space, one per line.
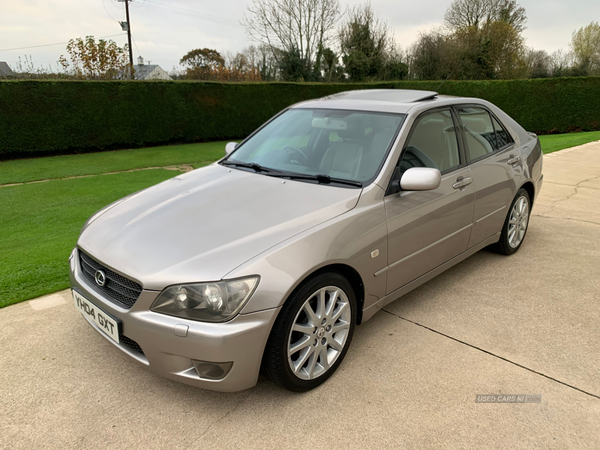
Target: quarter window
(432, 143)
(501, 134)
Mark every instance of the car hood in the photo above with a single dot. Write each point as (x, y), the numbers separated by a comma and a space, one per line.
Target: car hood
(201, 225)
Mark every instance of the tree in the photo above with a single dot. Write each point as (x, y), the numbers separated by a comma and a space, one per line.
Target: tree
(586, 49)
(331, 68)
(240, 67)
(202, 63)
(102, 60)
(202, 58)
(367, 47)
(267, 63)
(539, 64)
(476, 13)
(561, 63)
(488, 38)
(292, 28)
(292, 66)
(506, 50)
(433, 56)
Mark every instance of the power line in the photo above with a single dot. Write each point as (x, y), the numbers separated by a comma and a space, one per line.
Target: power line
(187, 12)
(136, 47)
(57, 43)
(111, 17)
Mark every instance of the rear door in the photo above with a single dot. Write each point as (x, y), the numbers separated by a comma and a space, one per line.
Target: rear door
(428, 228)
(495, 163)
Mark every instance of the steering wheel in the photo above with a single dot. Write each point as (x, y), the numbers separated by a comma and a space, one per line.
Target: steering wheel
(291, 150)
(419, 155)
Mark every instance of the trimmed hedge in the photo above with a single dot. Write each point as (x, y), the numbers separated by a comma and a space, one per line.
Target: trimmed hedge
(43, 117)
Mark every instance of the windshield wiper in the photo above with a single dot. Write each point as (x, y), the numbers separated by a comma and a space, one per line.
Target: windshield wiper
(254, 166)
(321, 178)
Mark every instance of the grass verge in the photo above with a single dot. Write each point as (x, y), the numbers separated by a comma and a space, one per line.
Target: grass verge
(41, 223)
(555, 142)
(23, 170)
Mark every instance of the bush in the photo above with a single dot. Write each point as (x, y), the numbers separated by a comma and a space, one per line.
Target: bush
(45, 117)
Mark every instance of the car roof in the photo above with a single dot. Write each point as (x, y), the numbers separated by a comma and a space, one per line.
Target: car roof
(406, 101)
(384, 100)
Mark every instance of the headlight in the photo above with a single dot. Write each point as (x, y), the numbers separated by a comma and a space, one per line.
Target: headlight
(207, 302)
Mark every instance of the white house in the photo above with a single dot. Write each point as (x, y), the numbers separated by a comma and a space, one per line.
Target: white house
(149, 71)
(5, 70)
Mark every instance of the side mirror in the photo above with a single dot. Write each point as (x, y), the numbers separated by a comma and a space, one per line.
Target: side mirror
(420, 179)
(231, 146)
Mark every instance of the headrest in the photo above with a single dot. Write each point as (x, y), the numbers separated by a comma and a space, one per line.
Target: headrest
(355, 131)
(475, 124)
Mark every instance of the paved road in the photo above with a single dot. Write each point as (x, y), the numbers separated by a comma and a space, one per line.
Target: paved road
(527, 324)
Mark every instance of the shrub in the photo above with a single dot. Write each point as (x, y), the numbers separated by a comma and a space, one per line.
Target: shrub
(44, 117)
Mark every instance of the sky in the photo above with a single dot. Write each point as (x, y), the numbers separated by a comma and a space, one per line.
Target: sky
(165, 30)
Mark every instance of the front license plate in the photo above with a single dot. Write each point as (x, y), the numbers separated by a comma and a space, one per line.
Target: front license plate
(106, 323)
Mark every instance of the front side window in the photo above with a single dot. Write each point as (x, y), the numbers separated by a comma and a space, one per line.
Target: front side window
(349, 145)
(432, 143)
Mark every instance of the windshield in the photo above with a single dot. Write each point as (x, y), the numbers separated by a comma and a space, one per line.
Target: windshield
(348, 145)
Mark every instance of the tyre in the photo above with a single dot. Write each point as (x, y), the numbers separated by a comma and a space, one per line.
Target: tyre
(312, 333)
(515, 225)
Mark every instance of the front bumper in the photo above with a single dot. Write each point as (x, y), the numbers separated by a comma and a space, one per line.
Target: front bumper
(165, 352)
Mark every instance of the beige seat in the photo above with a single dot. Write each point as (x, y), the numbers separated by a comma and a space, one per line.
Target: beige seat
(478, 145)
(429, 138)
(343, 158)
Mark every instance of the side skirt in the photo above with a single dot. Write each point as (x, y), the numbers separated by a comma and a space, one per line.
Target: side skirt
(371, 310)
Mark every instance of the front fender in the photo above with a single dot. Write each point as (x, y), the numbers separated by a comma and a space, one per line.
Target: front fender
(348, 239)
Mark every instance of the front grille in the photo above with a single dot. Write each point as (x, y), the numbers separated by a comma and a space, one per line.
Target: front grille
(131, 344)
(121, 290)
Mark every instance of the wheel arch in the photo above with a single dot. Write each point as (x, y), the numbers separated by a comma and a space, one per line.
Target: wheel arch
(530, 188)
(347, 272)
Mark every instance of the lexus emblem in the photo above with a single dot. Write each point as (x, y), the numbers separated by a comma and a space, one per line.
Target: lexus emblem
(100, 278)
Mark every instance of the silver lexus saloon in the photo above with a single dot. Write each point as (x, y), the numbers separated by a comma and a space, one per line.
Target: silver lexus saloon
(270, 257)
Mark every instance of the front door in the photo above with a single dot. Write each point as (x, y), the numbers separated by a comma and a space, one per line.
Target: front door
(428, 228)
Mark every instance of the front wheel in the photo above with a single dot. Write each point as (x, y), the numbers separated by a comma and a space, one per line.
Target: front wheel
(312, 333)
(515, 225)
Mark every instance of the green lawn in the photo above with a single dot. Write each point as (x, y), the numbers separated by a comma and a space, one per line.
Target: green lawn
(41, 223)
(20, 170)
(554, 142)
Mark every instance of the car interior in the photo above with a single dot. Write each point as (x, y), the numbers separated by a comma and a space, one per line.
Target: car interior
(432, 143)
(345, 145)
(351, 145)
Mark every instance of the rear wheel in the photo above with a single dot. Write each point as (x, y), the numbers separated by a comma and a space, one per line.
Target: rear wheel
(312, 333)
(515, 225)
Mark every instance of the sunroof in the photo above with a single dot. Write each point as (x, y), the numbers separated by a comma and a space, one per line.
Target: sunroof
(387, 95)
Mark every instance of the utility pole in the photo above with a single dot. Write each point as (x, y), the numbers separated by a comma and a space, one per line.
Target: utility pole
(129, 36)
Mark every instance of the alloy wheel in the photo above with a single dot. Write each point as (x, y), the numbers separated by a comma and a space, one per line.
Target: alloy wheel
(517, 224)
(319, 333)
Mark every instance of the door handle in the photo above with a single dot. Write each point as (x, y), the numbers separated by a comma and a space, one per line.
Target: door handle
(462, 183)
(514, 160)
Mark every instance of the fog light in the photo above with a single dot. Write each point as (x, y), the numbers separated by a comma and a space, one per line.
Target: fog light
(212, 371)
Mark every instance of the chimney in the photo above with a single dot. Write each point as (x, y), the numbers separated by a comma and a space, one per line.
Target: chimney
(140, 61)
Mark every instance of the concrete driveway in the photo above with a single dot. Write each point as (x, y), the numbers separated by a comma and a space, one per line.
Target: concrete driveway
(526, 324)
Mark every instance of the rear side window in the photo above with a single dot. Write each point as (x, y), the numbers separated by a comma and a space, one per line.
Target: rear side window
(479, 131)
(484, 134)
